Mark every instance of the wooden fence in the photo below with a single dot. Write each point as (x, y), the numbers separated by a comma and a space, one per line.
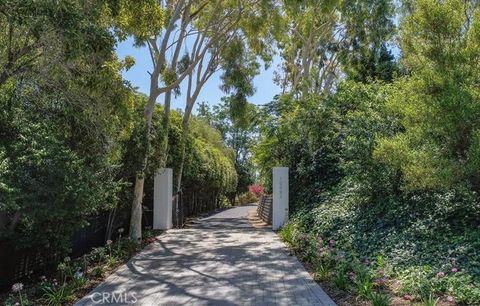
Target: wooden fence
(264, 208)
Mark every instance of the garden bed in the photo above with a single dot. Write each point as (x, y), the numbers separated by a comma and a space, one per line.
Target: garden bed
(73, 279)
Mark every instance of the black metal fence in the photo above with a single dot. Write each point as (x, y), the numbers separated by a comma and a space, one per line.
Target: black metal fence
(19, 264)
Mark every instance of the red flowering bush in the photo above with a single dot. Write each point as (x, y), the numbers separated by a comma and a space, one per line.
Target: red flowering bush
(256, 189)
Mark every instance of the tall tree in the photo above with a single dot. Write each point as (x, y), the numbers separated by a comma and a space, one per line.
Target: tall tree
(328, 39)
(64, 111)
(437, 102)
(239, 132)
(30, 30)
(212, 22)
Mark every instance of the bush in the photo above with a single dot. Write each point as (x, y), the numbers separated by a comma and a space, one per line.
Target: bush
(247, 198)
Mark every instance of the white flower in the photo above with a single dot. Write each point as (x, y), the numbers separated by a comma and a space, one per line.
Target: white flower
(78, 275)
(109, 242)
(120, 230)
(17, 287)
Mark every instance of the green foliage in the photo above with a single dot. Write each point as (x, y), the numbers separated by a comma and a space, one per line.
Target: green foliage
(340, 280)
(237, 124)
(437, 102)
(247, 198)
(364, 287)
(57, 296)
(72, 131)
(18, 299)
(37, 33)
(379, 299)
(384, 169)
(142, 19)
(57, 167)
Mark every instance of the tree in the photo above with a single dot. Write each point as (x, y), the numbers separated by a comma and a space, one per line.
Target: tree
(328, 39)
(212, 23)
(64, 112)
(239, 132)
(239, 65)
(437, 101)
(31, 30)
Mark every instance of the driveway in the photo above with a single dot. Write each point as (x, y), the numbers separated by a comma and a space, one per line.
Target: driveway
(220, 260)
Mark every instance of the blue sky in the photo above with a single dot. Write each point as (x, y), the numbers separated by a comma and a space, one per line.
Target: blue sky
(211, 93)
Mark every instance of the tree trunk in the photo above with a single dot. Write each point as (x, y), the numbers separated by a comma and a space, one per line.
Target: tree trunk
(136, 213)
(136, 216)
(182, 158)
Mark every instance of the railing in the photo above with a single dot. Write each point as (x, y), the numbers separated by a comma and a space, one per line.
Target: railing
(264, 208)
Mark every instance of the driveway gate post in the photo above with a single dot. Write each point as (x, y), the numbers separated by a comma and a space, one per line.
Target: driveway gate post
(280, 197)
(162, 199)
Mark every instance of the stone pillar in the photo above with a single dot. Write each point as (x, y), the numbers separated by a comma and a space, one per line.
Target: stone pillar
(280, 197)
(162, 199)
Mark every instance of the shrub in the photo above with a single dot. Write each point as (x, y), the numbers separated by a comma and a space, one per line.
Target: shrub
(379, 299)
(256, 189)
(57, 295)
(247, 198)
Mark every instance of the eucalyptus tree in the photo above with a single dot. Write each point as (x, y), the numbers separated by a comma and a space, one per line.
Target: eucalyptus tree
(327, 40)
(211, 24)
(239, 64)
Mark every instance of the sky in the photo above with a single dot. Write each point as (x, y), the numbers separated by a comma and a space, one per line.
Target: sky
(211, 93)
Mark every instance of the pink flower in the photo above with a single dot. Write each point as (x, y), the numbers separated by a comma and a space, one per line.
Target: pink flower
(408, 297)
(454, 270)
(256, 189)
(331, 242)
(450, 299)
(440, 274)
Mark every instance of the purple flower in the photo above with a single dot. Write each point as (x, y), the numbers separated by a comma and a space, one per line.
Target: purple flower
(331, 242)
(17, 287)
(454, 270)
(450, 299)
(440, 274)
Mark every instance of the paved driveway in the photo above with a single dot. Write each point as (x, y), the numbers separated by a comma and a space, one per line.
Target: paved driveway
(221, 260)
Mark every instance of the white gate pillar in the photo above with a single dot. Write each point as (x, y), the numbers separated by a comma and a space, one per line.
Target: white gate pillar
(162, 199)
(280, 197)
